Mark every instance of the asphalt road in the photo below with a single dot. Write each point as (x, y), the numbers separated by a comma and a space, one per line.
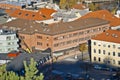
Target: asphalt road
(77, 67)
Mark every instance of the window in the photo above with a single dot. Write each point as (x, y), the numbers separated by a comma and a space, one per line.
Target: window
(113, 61)
(94, 43)
(39, 43)
(118, 47)
(108, 46)
(94, 58)
(39, 37)
(113, 53)
(19, 13)
(80, 33)
(94, 50)
(8, 38)
(33, 15)
(104, 45)
(119, 54)
(9, 43)
(99, 51)
(103, 51)
(75, 34)
(26, 14)
(108, 53)
(113, 46)
(68, 42)
(118, 62)
(56, 45)
(47, 44)
(56, 38)
(99, 59)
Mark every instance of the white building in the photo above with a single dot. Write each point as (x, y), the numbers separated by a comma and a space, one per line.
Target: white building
(8, 41)
(105, 48)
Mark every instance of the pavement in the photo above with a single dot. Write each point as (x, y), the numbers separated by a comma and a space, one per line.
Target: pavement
(75, 66)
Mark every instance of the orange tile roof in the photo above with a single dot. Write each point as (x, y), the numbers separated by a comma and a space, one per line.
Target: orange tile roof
(79, 6)
(109, 36)
(42, 14)
(104, 14)
(9, 6)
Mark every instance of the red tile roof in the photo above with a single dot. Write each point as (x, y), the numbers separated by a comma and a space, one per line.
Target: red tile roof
(42, 14)
(79, 6)
(109, 36)
(104, 14)
(9, 6)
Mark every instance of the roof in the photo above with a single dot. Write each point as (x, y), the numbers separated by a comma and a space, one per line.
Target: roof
(4, 56)
(6, 32)
(30, 27)
(79, 6)
(9, 6)
(42, 14)
(17, 63)
(104, 14)
(109, 36)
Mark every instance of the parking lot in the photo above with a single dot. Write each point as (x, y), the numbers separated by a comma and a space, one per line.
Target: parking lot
(78, 68)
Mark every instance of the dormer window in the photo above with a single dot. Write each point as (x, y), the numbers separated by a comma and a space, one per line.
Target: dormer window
(33, 15)
(26, 14)
(20, 13)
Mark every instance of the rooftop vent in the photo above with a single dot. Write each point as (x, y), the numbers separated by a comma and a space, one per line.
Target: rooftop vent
(114, 35)
(36, 30)
(107, 34)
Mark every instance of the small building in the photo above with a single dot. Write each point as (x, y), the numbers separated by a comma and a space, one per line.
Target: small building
(8, 41)
(105, 48)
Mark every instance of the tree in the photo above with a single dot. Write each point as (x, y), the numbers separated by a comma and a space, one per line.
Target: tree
(30, 70)
(2, 72)
(40, 77)
(7, 75)
(92, 7)
(83, 48)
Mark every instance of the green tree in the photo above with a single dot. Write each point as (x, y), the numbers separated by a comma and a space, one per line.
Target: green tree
(30, 70)
(40, 77)
(83, 48)
(92, 7)
(2, 72)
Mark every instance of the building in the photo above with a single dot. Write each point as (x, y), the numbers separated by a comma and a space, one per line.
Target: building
(96, 1)
(58, 36)
(4, 58)
(104, 14)
(69, 15)
(105, 48)
(42, 14)
(8, 41)
(10, 5)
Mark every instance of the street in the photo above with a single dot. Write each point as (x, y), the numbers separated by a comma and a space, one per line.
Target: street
(80, 68)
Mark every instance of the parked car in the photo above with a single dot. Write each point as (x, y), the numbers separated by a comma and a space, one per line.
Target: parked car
(101, 67)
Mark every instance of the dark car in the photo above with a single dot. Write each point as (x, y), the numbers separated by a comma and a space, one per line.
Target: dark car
(101, 67)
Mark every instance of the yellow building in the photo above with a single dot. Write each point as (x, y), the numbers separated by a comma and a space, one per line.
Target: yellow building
(105, 48)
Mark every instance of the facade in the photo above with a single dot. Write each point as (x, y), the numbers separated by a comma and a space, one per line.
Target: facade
(8, 41)
(105, 48)
(58, 36)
